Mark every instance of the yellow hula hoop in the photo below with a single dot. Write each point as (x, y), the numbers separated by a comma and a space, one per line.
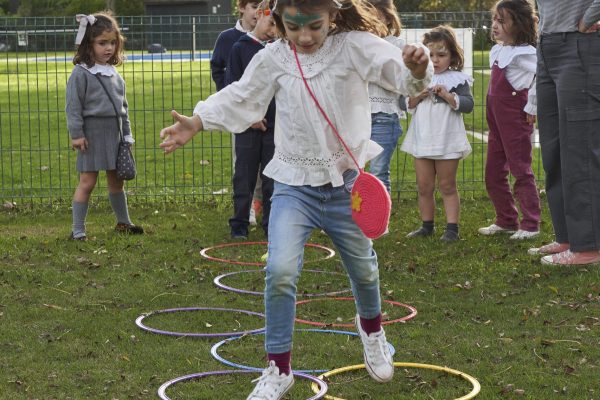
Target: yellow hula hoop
(469, 378)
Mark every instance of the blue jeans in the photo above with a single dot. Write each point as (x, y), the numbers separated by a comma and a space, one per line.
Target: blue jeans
(385, 131)
(295, 212)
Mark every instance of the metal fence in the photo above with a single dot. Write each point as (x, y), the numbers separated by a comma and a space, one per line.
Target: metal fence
(37, 164)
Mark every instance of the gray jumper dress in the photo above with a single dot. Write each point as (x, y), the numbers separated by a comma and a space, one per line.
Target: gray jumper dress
(91, 115)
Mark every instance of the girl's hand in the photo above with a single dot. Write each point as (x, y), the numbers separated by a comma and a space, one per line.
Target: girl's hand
(416, 60)
(414, 101)
(80, 144)
(442, 92)
(180, 132)
(530, 119)
(260, 125)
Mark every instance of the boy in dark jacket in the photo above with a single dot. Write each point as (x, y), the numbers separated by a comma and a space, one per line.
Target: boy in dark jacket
(255, 146)
(227, 38)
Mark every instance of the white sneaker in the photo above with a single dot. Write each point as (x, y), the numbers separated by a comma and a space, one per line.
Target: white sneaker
(493, 229)
(252, 218)
(523, 235)
(271, 385)
(378, 359)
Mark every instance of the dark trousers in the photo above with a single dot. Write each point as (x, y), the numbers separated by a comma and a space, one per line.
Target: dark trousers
(253, 149)
(568, 92)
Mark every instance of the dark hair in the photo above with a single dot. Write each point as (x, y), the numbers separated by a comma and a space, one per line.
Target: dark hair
(105, 22)
(243, 3)
(524, 18)
(445, 33)
(388, 10)
(352, 15)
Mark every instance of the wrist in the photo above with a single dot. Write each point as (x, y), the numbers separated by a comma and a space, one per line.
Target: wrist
(197, 123)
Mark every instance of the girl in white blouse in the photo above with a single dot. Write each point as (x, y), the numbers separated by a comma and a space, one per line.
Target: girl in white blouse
(511, 108)
(313, 175)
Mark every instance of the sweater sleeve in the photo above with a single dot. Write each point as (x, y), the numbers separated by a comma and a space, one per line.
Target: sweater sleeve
(592, 14)
(75, 96)
(218, 63)
(125, 118)
(235, 67)
(465, 98)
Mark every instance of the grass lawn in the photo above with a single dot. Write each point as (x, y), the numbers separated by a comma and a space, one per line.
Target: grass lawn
(37, 162)
(67, 310)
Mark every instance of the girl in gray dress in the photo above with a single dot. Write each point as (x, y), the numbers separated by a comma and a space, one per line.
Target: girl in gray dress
(91, 120)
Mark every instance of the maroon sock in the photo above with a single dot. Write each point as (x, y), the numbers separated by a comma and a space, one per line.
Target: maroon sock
(283, 361)
(371, 325)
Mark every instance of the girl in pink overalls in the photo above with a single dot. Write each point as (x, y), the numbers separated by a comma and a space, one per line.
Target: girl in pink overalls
(511, 110)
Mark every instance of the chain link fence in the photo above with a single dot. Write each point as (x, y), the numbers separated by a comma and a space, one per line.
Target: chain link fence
(167, 68)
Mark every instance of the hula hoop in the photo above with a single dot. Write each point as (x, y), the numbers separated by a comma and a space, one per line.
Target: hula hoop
(413, 313)
(469, 378)
(204, 253)
(214, 351)
(319, 384)
(139, 323)
(217, 281)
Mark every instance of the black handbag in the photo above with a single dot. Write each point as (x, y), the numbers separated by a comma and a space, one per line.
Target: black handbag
(125, 162)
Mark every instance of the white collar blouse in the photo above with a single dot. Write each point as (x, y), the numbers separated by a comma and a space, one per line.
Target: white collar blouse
(307, 152)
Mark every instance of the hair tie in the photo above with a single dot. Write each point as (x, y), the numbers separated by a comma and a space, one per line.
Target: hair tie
(337, 3)
(83, 20)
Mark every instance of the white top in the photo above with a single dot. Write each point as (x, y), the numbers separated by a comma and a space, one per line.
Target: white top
(106, 70)
(382, 100)
(521, 64)
(307, 152)
(437, 131)
(239, 27)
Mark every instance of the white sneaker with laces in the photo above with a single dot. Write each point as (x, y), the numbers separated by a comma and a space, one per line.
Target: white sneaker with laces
(493, 229)
(252, 218)
(378, 359)
(271, 385)
(523, 235)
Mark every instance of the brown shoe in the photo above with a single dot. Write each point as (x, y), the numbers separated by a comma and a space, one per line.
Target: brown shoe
(79, 238)
(129, 228)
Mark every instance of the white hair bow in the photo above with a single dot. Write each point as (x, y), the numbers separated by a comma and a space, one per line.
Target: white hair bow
(83, 20)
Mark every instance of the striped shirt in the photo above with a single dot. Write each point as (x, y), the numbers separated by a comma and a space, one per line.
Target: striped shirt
(564, 16)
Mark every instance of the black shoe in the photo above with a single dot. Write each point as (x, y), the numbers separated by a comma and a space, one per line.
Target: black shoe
(420, 232)
(129, 228)
(450, 236)
(79, 238)
(239, 234)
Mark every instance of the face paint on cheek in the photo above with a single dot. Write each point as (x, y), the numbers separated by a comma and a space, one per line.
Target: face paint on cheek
(301, 19)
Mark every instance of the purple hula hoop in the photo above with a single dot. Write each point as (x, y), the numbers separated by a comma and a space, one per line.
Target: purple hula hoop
(139, 323)
(161, 390)
(221, 285)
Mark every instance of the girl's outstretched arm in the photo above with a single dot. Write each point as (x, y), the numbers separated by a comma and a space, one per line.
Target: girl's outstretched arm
(416, 60)
(181, 132)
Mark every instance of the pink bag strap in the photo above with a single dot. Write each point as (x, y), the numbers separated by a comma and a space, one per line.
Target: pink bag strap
(312, 95)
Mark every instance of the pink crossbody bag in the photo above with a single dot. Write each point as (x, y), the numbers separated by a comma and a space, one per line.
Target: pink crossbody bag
(371, 202)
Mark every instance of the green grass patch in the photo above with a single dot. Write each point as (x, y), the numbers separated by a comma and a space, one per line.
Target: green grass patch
(67, 310)
(37, 163)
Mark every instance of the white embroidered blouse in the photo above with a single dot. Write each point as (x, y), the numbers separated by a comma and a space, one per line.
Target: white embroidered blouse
(520, 63)
(307, 152)
(382, 100)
